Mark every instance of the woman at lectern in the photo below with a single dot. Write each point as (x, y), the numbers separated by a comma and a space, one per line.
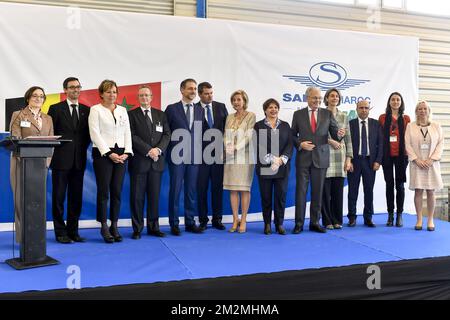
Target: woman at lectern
(29, 121)
(110, 132)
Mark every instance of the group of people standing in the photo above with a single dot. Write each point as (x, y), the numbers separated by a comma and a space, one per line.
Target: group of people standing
(204, 147)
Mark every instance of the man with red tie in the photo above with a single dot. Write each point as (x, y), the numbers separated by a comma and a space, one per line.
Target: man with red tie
(310, 128)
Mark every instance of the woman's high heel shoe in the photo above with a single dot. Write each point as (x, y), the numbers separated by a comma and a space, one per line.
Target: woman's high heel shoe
(107, 237)
(243, 227)
(234, 228)
(115, 234)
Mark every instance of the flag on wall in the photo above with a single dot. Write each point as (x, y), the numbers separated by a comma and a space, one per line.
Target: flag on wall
(127, 98)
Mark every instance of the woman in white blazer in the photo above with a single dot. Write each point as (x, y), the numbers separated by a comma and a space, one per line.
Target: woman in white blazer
(424, 141)
(110, 132)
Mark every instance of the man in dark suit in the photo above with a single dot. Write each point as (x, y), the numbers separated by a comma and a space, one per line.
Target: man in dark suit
(310, 128)
(186, 122)
(150, 134)
(367, 144)
(215, 116)
(70, 120)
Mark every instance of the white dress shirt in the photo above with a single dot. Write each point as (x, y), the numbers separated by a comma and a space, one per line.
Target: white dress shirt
(191, 109)
(71, 109)
(206, 110)
(360, 132)
(149, 114)
(315, 114)
(106, 132)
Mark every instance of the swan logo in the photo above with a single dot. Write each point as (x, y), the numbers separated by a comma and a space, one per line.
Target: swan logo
(327, 75)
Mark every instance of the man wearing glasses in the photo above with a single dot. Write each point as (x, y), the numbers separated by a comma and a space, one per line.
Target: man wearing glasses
(310, 128)
(151, 135)
(367, 141)
(70, 120)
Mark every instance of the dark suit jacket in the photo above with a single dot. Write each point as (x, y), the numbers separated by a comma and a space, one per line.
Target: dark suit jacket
(72, 154)
(284, 136)
(220, 114)
(144, 140)
(375, 140)
(176, 117)
(301, 130)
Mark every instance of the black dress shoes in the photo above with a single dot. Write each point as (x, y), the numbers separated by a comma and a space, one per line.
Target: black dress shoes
(218, 225)
(390, 221)
(369, 223)
(267, 229)
(280, 230)
(107, 237)
(77, 238)
(175, 231)
(351, 222)
(399, 220)
(115, 234)
(136, 235)
(193, 229)
(203, 226)
(156, 233)
(317, 228)
(64, 239)
(297, 229)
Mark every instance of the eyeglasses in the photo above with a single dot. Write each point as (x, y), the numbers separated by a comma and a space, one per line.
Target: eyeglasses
(36, 96)
(145, 95)
(315, 98)
(74, 87)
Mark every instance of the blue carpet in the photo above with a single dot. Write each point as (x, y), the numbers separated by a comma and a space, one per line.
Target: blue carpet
(219, 253)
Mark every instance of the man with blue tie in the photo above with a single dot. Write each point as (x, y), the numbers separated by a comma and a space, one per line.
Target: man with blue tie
(367, 154)
(215, 116)
(184, 155)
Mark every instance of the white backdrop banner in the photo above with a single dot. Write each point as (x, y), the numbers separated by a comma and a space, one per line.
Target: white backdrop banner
(42, 45)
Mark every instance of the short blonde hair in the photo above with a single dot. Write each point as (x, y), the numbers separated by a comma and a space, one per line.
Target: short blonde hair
(428, 107)
(243, 95)
(106, 85)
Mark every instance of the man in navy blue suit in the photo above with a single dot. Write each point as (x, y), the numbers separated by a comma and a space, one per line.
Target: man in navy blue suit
(367, 144)
(215, 116)
(184, 155)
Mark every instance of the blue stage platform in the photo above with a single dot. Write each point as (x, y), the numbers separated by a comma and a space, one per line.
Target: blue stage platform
(219, 253)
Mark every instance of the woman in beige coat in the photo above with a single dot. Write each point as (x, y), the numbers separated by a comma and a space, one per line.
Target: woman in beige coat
(424, 141)
(29, 121)
(239, 163)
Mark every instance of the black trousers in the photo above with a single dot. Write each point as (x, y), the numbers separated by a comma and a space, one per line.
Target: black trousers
(388, 170)
(361, 168)
(333, 193)
(109, 177)
(145, 185)
(276, 189)
(317, 177)
(70, 181)
(213, 174)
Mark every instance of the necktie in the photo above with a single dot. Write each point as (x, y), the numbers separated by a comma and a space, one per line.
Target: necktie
(147, 120)
(363, 139)
(188, 115)
(74, 115)
(209, 115)
(313, 121)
